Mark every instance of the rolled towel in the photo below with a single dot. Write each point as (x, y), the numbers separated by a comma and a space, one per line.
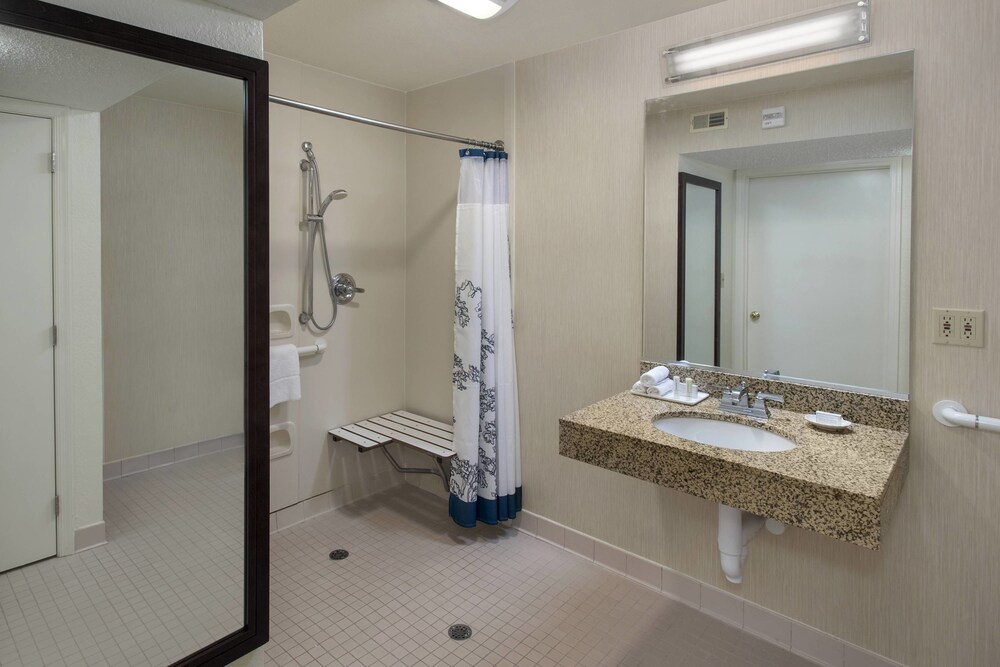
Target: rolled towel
(661, 390)
(654, 376)
(637, 388)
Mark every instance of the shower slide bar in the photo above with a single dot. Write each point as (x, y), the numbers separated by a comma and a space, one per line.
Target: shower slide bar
(497, 145)
(952, 413)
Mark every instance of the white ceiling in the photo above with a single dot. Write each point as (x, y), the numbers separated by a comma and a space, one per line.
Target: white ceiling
(42, 68)
(258, 9)
(410, 44)
(891, 143)
(200, 89)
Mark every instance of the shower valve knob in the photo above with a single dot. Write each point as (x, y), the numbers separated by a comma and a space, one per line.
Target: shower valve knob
(344, 288)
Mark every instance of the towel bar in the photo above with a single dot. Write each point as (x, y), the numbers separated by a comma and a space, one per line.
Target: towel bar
(316, 348)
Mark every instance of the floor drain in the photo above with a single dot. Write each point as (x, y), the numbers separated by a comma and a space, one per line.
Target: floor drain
(460, 631)
(338, 554)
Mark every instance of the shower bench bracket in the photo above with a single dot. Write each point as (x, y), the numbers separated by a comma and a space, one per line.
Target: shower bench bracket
(425, 435)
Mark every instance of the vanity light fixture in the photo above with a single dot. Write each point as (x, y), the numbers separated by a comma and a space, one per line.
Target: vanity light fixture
(835, 28)
(480, 9)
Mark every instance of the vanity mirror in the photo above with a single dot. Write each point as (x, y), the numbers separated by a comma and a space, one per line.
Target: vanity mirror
(777, 225)
(133, 313)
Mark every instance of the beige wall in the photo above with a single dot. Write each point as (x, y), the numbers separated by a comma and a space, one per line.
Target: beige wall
(472, 106)
(866, 106)
(172, 275)
(932, 595)
(361, 374)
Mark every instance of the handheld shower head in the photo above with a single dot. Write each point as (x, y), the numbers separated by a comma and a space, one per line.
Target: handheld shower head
(308, 148)
(336, 195)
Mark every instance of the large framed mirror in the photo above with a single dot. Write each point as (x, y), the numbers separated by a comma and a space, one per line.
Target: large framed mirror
(133, 321)
(778, 226)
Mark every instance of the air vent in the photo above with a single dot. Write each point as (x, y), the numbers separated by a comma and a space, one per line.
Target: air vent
(710, 120)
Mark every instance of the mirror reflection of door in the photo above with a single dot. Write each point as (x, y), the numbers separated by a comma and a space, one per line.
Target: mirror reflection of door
(822, 264)
(699, 260)
(27, 443)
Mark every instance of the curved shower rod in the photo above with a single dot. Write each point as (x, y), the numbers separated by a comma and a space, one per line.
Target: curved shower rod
(497, 145)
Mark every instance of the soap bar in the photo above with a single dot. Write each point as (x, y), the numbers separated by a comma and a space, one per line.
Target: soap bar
(831, 418)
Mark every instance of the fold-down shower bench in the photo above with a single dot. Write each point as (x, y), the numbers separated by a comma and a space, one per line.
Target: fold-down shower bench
(425, 435)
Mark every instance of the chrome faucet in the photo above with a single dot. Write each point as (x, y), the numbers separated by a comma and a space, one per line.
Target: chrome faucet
(737, 401)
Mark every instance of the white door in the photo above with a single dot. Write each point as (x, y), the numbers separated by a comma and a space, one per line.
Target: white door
(27, 400)
(820, 277)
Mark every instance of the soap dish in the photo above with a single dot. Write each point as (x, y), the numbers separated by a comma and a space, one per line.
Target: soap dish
(844, 425)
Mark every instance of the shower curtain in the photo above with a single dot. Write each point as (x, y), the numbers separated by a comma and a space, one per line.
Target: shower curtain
(486, 468)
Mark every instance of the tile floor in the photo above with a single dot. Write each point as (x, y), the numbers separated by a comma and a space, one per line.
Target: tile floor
(411, 573)
(169, 581)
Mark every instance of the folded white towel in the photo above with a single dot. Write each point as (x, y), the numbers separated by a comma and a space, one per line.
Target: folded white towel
(285, 382)
(661, 389)
(654, 376)
(637, 388)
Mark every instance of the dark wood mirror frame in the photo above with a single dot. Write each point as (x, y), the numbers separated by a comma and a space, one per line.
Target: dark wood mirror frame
(78, 26)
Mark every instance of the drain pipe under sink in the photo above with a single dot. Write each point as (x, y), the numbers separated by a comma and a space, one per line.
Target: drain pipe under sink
(736, 529)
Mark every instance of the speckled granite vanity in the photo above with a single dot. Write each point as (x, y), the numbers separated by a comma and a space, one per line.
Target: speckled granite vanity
(844, 485)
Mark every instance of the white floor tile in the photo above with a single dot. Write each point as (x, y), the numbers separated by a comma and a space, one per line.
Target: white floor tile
(169, 580)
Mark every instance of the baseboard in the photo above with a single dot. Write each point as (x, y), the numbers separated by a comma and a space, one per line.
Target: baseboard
(326, 502)
(169, 456)
(799, 638)
(89, 537)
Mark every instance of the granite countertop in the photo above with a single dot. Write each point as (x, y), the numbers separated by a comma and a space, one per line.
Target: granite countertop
(840, 484)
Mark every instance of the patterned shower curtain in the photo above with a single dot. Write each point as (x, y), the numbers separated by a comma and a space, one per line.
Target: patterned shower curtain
(486, 470)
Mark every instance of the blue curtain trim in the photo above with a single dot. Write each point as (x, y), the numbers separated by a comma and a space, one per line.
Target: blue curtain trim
(479, 152)
(489, 511)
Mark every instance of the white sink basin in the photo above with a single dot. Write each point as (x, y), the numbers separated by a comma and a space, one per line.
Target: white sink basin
(724, 434)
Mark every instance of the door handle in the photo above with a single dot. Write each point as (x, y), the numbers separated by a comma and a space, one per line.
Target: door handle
(755, 315)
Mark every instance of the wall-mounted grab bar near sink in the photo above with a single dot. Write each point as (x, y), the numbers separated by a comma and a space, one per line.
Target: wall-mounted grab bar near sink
(953, 413)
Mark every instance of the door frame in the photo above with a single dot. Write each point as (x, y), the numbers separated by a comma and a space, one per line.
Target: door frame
(61, 307)
(896, 317)
(683, 180)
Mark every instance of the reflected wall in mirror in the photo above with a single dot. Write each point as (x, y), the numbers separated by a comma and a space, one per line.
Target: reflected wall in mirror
(791, 244)
(122, 292)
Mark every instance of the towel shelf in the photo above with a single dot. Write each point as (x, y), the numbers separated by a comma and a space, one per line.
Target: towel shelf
(425, 435)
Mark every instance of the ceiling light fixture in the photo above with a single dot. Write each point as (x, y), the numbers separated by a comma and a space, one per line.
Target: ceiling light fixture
(835, 28)
(480, 9)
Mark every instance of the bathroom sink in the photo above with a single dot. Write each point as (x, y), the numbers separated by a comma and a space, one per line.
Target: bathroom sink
(724, 434)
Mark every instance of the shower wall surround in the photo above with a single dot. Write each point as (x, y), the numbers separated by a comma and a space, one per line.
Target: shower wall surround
(361, 372)
(931, 595)
(479, 105)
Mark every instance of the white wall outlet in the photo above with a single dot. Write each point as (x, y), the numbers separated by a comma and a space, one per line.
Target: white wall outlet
(959, 327)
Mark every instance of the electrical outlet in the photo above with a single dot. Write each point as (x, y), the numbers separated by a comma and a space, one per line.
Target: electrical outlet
(959, 327)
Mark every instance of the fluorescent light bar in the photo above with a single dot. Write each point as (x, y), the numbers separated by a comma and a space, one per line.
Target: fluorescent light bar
(480, 9)
(836, 28)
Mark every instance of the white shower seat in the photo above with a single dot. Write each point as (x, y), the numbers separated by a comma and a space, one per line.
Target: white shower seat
(420, 433)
